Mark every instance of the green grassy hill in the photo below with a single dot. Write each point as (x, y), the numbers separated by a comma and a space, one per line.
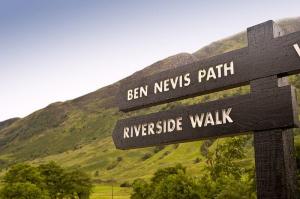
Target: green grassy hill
(77, 133)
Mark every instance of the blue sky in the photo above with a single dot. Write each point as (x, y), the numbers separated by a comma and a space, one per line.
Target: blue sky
(56, 50)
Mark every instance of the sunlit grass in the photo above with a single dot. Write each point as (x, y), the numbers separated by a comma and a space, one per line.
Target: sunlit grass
(109, 192)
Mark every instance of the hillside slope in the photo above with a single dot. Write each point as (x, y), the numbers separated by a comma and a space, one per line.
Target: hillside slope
(7, 123)
(77, 133)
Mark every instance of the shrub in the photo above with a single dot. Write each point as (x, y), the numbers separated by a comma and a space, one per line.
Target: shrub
(205, 146)
(146, 156)
(112, 165)
(175, 146)
(158, 148)
(197, 160)
(125, 184)
(164, 154)
(119, 159)
(96, 174)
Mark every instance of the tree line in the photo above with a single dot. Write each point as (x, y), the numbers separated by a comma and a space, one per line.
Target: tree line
(47, 181)
(223, 177)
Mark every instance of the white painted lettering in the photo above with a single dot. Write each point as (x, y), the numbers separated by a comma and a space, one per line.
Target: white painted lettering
(136, 93)
(196, 120)
(174, 82)
(171, 125)
(159, 127)
(226, 116)
(211, 74)
(129, 95)
(209, 119)
(219, 71)
(179, 124)
(229, 68)
(131, 131)
(297, 48)
(166, 85)
(201, 75)
(218, 121)
(158, 87)
(219, 68)
(137, 130)
(212, 119)
(164, 126)
(126, 131)
(176, 124)
(151, 128)
(187, 79)
(144, 91)
(144, 129)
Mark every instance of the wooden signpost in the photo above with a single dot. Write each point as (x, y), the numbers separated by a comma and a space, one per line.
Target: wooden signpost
(269, 110)
(262, 58)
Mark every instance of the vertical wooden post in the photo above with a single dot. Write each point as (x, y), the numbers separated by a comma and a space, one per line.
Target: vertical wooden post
(274, 149)
(275, 165)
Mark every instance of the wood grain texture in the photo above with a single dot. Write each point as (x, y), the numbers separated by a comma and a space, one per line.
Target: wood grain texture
(274, 149)
(274, 152)
(268, 110)
(275, 164)
(262, 58)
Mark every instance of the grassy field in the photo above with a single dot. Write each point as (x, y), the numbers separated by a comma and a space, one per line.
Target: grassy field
(109, 192)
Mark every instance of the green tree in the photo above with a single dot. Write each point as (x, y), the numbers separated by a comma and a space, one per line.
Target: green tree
(22, 173)
(161, 174)
(62, 184)
(78, 184)
(23, 181)
(48, 181)
(167, 183)
(225, 177)
(54, 180)
(141, 189)
(229, 187)
(24, 190)
(176, 186)
(223, 160)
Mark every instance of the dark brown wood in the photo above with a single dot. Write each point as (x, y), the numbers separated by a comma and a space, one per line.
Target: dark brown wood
(275, 164)
(268, 110)
(262, 58)
(274, 152)
(274, 149)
